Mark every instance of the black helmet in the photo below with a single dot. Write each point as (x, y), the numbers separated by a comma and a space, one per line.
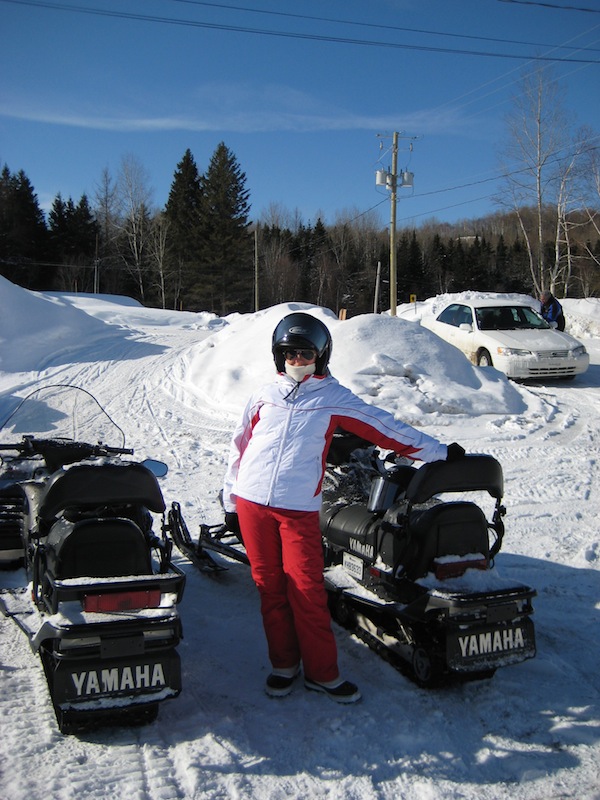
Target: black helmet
(302, 330)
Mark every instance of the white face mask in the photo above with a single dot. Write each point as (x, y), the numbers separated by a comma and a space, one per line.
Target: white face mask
(299, 373)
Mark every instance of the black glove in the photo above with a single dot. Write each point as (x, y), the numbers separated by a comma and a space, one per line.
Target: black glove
(455, 452)
(232, 522)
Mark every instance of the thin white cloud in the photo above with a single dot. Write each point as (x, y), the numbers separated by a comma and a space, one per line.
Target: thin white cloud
(238, 108)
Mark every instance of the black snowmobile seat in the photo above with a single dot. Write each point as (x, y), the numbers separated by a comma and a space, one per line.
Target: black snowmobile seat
(89, 486)
(469, 474)
(97, 548)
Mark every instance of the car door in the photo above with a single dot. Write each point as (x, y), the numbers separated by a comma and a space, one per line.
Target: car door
(463, 337)
(449, 322)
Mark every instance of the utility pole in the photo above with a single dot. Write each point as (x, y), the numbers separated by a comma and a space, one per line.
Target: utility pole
(377, 282)
(96, 270)
(390, 181)
(393, 190)
(256, 267)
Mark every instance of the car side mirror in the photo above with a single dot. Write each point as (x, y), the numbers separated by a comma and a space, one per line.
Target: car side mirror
(465, 326)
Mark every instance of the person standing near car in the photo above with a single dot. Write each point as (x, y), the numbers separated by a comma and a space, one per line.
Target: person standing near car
(272, 497)
(552, 310)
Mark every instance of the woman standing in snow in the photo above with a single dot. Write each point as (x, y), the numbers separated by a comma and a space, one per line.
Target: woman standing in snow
(272, 495)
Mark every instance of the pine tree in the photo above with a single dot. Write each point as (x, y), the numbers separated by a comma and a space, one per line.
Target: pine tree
(227, 273)
(73, 243)
(73, 231)
(57, 226)
(411, 272)
(182, 211)
(303, 256)
(23, 233)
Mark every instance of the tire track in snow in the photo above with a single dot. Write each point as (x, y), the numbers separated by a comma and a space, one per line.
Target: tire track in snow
(137, 763)
(562, 458)
(63, 768)
(566, 479)
(25, 701)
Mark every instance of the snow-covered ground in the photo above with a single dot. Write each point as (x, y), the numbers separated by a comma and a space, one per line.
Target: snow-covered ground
(175, 383)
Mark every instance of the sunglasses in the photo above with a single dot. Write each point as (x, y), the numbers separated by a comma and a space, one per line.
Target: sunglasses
(307, 355)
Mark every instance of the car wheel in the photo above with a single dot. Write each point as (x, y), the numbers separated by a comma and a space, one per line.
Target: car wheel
(484, 359)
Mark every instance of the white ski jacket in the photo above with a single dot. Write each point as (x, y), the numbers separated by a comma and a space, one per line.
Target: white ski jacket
(279, 447)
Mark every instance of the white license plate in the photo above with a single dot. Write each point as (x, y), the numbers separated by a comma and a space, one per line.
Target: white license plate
(353, 565)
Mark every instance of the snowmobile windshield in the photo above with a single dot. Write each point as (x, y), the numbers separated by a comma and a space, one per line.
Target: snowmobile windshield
(58, 412)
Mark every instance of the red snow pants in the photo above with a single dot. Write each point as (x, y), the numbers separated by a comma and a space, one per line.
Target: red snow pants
(286, 559)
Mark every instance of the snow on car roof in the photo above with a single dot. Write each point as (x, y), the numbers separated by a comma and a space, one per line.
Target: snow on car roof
(492, 302)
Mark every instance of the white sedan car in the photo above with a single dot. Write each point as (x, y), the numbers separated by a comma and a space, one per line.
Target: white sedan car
(511, 337)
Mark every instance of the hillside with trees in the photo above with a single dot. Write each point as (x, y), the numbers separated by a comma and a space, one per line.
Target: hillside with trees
(201, 252)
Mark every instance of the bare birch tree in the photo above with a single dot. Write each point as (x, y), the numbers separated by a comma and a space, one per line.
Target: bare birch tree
(590, 173)
(534, 177)
(106, 213)
(135, 199)
(158, 249)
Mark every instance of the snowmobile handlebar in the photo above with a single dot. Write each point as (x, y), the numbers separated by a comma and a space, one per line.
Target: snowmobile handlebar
(59, 452)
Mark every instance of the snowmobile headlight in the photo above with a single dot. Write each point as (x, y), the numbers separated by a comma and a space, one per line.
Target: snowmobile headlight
(513, 351)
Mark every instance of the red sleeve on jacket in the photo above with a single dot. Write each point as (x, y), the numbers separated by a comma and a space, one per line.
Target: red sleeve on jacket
(372, 434)
(365, 431)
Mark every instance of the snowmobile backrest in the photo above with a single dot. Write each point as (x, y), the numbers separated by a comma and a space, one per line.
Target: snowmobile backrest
(447, 529)
(88, 486)
(469, 474)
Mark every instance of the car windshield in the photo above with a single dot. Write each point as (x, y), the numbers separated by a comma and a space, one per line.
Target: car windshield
(508, 318)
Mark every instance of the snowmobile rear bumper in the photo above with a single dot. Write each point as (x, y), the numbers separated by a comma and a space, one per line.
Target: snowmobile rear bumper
(102, 667)
(477, 648)
(458, 634)
(94, 683)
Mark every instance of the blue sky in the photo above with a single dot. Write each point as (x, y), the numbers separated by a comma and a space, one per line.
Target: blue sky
(305, 93)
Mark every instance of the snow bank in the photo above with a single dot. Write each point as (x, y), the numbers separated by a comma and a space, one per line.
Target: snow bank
(387, 361)
(36, 328)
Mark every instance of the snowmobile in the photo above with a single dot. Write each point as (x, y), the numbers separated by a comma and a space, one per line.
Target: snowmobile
(99, 593)
(409, 562)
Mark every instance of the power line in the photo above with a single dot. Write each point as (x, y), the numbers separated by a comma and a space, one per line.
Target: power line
(445, 208)
(372, 25)
(558, 6)
(289, 34)
(169, 20)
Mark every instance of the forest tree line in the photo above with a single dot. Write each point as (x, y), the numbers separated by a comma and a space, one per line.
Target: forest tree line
(202, 251)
